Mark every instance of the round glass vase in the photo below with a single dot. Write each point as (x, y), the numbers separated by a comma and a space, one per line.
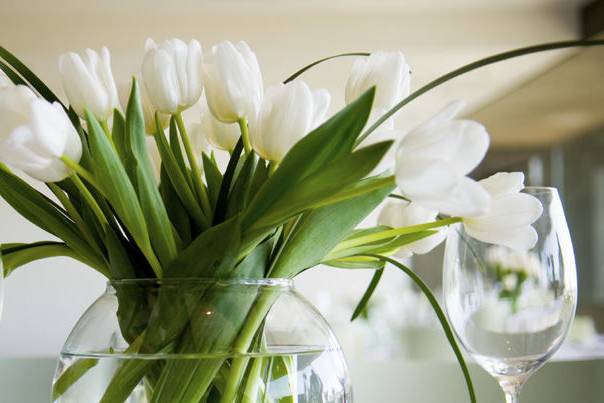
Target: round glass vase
(200, 340)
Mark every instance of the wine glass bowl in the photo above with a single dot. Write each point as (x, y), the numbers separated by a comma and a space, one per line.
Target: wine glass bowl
(511, 309)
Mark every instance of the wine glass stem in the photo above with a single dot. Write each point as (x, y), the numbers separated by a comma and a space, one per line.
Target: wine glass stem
(511, 388)
(512, 397)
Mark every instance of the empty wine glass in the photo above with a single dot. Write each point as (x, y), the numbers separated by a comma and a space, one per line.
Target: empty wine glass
(511, 309)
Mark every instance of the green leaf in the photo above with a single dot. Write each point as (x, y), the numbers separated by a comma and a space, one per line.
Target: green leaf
(315, 188)
(177, 151)
(213, 179)
(225, 186)
(354, 263)
(441, 317)
(238, 198)
(71, 375)
(383, 246)
(14, 77)
(179, 181)
(213, 254)
(319, 231)
(176, 211)
(29, 76)
(47, 215)
(362, 305)
(15, 255)
(112, 176)
(160, 227)
(333, 139)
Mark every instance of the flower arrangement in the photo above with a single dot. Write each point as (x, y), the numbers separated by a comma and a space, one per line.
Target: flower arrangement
(139, 193)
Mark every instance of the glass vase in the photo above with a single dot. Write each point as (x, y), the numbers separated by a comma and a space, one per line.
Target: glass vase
(199, 340)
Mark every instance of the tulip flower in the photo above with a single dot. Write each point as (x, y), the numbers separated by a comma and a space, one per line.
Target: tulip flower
(221, 135)
(35, 134)
(199, 140)
(510, 215)
(433, 161)
(233, 82)
(389, 73)
(88, 82)
(4, 80)
(400, 213)
(288, 112)
(148, 109)
(172, 74)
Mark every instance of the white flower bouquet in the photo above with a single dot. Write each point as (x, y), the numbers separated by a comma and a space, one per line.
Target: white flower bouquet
(138, 193)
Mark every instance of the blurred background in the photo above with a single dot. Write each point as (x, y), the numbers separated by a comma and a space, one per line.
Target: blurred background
(545, 114)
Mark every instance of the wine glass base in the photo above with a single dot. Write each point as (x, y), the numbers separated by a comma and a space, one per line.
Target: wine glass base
(510, 371)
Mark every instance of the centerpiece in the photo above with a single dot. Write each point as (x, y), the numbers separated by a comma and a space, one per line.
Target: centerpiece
(199, 305)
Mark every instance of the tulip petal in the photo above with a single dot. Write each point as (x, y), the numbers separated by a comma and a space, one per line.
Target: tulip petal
(521, 238)
(467, 199)
(508, 212)
(503, 183)
(472, 147)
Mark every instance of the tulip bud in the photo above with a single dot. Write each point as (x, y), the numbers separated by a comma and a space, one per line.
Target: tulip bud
(433, 161)
(35, 134)
(172, 74)
(233, 82)
(199, 141)
(88, 82)
(223, 136)
(148, 109)
(288, 112)
(389, 73)
(510, 215)
(400, 213)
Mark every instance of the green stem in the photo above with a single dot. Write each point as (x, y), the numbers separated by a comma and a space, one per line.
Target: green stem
(94, 206)
(243, 342)
(106, 129)
(439, 313)
(272, 167)
(199, 186)
(245, 135)
(391, 233)
(473, 66)
(81, 171)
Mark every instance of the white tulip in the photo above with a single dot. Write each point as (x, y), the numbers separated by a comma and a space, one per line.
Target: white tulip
(4, 80)
(172, 74)
(389, 73)
(148, 109)
(199, 141)
(221, 135)
(400, 213)
(35, 134)
(288, 112)
(510, 215)
(433, 161)
(233, 81)
(88, 82)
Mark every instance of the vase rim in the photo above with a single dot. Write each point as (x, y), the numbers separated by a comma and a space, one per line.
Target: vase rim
(264, 282)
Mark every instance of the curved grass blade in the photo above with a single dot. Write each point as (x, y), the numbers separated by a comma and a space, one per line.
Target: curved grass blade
(362, 305)
(313, 64)
(439, 313)
(473, 66)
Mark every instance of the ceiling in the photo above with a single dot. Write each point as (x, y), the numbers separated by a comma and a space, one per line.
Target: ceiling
(436, 35)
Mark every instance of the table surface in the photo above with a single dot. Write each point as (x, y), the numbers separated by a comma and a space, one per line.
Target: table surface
(27, 380)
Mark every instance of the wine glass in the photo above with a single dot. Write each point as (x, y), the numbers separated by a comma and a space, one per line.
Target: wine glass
(511, 309)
